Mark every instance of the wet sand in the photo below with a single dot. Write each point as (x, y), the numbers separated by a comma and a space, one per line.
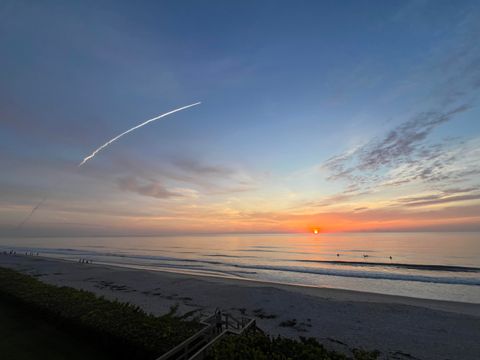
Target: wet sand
(399, 327)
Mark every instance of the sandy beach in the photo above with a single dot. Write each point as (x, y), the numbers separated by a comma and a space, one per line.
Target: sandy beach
(399, 327)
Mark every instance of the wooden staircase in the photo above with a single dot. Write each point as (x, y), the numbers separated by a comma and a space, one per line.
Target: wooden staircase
(196, 346)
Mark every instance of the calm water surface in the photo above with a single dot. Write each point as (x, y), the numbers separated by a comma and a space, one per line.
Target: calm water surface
(426, 265)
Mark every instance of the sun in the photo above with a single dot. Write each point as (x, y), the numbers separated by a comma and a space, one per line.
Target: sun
(315, 231)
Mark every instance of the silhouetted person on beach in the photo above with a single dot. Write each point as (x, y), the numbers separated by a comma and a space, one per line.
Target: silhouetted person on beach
(218, 320)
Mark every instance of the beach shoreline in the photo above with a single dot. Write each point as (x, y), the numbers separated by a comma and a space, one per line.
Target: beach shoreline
(340, 319)
(319, 291)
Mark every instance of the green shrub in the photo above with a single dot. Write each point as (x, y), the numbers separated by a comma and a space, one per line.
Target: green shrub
(124, 328)
(260, 347)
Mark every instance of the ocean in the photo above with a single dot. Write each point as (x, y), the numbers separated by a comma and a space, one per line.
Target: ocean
(443, 266)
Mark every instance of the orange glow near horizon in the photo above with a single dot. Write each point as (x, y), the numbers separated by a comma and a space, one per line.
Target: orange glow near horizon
(195, 221)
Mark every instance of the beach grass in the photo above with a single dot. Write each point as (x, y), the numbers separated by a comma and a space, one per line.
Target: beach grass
(126, 330)
(258, 346)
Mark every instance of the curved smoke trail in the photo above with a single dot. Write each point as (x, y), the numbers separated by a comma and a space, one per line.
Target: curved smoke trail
(31, 213)
(103, 147)
(132, 129)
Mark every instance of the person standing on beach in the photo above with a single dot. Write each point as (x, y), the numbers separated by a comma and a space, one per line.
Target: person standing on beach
(218, 320)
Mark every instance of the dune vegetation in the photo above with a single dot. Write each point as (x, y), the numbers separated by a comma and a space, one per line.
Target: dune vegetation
(48, 321)
(261, 347)
(124, 329)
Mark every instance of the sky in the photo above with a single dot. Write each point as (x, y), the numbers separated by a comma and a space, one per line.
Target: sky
(329, 115)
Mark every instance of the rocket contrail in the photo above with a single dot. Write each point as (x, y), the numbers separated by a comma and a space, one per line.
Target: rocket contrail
(31, 213)
(103, 147)
(132, 129)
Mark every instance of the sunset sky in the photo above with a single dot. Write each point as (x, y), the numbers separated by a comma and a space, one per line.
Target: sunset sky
(329, 115)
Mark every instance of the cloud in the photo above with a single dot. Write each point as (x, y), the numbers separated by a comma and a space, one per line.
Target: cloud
(181, 172)
(447, 164)
(152, 188)
(196, 167)
(444, 197)
(402, 142)
(211, 178)
(405, 154)
(443, 200)
(332, 200)
(397, 146)
(450, 169)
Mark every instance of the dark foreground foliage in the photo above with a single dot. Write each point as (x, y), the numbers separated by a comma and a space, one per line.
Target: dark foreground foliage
(27, 337)
(261, 347)
(126, 330)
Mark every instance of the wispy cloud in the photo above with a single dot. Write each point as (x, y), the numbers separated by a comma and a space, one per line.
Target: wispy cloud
(191, 165)
(406, 153)
(210, 178)
(398, 146)
(185, 173)
(443, 197)
(447, 164)
(207, 177)
(448, 170)
(153, 188)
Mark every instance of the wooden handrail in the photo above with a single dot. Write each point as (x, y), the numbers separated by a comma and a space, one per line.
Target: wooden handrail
(181, 351)
(198, 355)
(202, 352)
(184, 350)
(183, 346)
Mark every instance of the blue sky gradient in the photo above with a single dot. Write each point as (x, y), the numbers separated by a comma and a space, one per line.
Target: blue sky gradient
(299, 98)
